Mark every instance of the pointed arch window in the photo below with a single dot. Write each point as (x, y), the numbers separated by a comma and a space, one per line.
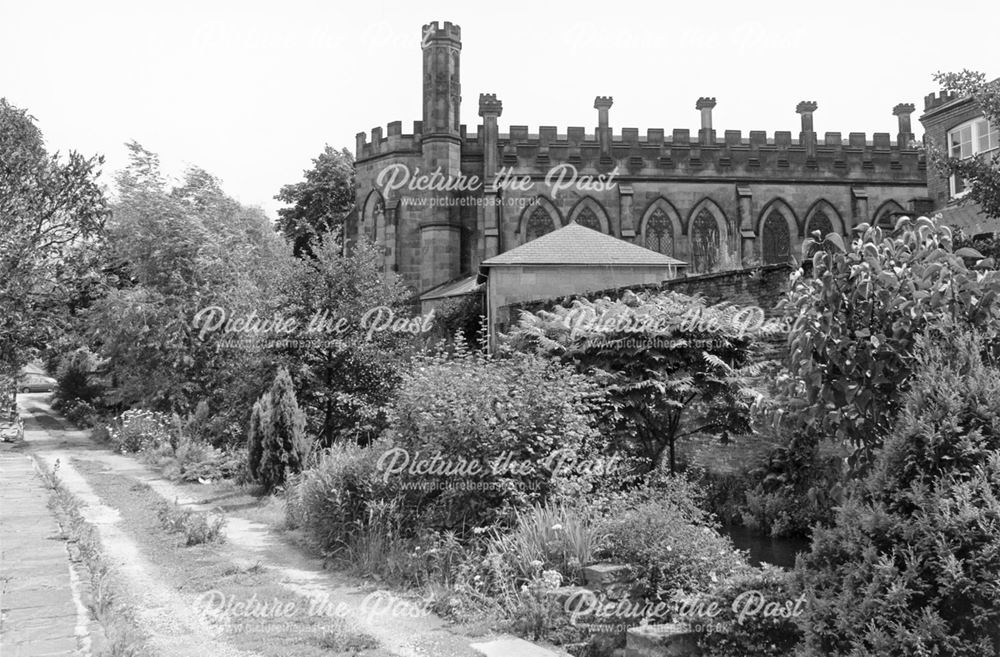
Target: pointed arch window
(588, 218)
(776, 239)
(705, 242)
(821, 222)
(539, 223)
(660, 233)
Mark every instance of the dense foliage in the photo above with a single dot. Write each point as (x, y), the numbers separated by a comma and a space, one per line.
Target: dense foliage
(911, 566)
(502, 428)
(52, 212)
(319, 203)
(857, 318)
(278, 443)
(671, 364)
(348, 374)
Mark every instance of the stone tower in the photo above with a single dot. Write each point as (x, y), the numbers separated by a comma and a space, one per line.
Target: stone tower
(441, 146)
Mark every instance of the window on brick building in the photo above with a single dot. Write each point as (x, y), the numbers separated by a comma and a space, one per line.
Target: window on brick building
(967, 140)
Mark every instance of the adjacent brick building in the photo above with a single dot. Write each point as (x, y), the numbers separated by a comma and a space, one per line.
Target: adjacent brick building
(956, 125)
(441, 199)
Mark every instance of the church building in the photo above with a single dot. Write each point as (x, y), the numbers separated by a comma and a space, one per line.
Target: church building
(442, 199)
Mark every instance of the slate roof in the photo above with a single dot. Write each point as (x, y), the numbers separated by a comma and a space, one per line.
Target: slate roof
(574, 244)
(455, 288)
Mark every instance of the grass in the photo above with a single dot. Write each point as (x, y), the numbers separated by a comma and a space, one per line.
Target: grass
(213, 568)
(555, 535)
(122, 637)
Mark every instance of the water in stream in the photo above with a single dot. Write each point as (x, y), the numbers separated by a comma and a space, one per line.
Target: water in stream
(766, 549)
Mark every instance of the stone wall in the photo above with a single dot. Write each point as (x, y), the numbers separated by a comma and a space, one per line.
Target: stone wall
(760, 286)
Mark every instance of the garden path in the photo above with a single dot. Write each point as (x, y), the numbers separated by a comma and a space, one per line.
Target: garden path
(391, 619)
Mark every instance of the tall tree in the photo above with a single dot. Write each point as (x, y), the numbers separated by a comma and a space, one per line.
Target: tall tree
(353, 361)
(52, 210)
(320, 202)
(180, 248)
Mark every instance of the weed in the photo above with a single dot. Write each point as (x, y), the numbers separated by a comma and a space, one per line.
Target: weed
(196, 527)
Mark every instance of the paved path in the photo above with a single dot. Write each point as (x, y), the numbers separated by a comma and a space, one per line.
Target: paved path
(39, 611)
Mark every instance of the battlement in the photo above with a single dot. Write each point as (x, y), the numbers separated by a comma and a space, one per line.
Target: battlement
(434, 32)
(732, 153)
(489, 105)
(521, 135)
(658, 149)
(392, 140)
(932, 101)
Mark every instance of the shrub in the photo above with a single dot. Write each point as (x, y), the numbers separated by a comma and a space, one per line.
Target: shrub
(284, 444)
(331, 500)
(196, 527)
(758, 611)
(473, 409)
(797, 488)
(193, 460)
(136, 430)
(857, 317)
(73, 379)
(672, 366)
(910, 566)
(671, 544)
(255, 434)
(79, 412)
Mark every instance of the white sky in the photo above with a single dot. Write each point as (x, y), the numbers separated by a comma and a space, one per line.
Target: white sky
(251, 91)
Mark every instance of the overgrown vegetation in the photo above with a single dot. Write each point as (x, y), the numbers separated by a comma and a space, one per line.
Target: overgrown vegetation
(910, 566)
(196, 527)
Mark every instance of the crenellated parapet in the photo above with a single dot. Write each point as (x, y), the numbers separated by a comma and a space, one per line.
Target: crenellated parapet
(390, 141)
(932, 101)
(732, 154)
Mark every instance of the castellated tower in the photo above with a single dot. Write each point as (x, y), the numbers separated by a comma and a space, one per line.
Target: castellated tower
(441, 146)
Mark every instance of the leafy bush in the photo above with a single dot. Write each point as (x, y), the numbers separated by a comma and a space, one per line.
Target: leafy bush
(671, 364)
(477, 414)
(196, 527)
(797, 488)
(193, 460)
(671, 544)
(280, 428)
(758, 612)
(331, 500)
(79, 412)
(136, 430)
(910, 566)
(857, 317)
(73, 379)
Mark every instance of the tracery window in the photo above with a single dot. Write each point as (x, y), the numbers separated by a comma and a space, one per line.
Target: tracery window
(588, 218)
(539, 223)
(660, 233)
